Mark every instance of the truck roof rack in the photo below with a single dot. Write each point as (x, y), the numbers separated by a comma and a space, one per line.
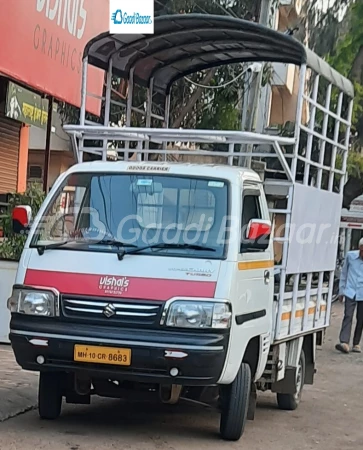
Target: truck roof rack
(162, 136)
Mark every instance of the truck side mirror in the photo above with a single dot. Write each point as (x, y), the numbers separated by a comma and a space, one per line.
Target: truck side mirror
(257, 236)
(21, 216)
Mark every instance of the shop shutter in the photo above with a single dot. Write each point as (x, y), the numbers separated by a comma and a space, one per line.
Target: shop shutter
(9, 154)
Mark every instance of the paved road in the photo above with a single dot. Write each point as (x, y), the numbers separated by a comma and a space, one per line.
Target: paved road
(17, 387)
(329, 418)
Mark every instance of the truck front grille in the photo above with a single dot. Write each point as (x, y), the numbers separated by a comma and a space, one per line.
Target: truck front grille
(112, 311)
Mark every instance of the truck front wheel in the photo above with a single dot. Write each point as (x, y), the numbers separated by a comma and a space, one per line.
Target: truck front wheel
(50, 395)
(234, 404)
(290, 402)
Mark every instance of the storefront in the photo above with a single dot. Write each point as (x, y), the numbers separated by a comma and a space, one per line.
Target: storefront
(22, 109)
(40, 59)
(9, 154)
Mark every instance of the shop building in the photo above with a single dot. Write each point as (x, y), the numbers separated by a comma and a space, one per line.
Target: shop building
(40, 62)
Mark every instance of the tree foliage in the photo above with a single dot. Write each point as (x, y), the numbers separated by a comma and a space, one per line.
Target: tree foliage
(347, 58)
(324, 25)
(345, 54)
(12, 246)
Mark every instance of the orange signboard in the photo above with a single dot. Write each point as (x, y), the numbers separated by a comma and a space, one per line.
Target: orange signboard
(42, 43)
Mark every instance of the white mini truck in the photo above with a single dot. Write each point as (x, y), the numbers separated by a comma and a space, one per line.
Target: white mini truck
(156, 275)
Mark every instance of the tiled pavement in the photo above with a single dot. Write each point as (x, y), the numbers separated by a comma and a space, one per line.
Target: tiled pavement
(18, 389)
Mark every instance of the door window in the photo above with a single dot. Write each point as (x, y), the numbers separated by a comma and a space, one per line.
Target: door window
(251, 209)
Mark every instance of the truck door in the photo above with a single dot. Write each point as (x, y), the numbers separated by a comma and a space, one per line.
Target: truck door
(255, 267)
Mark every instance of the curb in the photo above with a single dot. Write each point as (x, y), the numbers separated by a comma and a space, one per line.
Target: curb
(18, 402)
(16, 413)
(18, 388)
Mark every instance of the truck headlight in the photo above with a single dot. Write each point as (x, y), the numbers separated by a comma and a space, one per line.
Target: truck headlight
(33, 302)
(192, 314)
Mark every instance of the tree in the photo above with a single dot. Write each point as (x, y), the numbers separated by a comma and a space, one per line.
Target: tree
(13, 244)
(347, 57)
(208, 108)
(324, 25)
(336, 34)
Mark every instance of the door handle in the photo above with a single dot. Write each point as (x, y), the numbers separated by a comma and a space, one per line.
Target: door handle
(267, 276)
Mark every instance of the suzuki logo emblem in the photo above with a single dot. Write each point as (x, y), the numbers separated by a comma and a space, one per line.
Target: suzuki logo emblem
(109, 310)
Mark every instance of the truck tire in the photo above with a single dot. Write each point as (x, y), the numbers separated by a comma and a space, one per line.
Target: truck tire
(49, 395)
(234, 405)
(290, 402)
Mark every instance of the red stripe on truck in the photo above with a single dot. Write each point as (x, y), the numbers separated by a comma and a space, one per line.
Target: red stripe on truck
(119, 286)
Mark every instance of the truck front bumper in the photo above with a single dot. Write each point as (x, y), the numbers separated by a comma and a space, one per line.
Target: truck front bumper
(198, 356)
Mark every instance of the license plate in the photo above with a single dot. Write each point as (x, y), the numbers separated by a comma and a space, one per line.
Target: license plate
(102, 355)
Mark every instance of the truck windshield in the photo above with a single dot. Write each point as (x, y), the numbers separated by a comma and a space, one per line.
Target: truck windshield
(103, 212)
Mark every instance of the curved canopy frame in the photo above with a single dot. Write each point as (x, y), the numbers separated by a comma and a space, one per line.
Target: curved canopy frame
(187, 43)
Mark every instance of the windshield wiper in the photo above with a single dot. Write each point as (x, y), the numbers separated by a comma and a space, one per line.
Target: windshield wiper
(41, 248)
(113, 242)
(170, 246)
(120, 245)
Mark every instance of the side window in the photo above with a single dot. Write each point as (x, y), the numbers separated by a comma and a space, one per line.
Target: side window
(251, 209)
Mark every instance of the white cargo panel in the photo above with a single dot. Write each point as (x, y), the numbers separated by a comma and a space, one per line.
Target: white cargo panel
(314, 230)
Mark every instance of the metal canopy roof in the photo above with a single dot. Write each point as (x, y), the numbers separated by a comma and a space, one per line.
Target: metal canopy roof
(183, 44)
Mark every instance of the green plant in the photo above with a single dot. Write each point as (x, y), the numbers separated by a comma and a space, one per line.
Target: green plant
(13, 244)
